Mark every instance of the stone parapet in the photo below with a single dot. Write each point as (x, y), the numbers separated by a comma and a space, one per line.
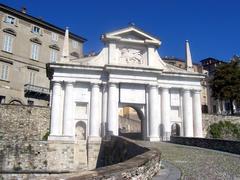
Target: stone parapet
(123, 159)
(216, 144)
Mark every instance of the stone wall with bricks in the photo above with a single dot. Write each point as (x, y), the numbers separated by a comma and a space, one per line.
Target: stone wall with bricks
(23, 131)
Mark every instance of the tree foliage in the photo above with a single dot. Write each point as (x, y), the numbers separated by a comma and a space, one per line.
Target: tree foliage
(225, 83)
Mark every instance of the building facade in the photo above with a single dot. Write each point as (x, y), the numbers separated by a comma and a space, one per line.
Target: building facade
(180, 63)
(27, 44)
(88, 92)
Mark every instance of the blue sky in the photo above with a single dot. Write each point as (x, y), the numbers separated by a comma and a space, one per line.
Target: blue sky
(211, 26)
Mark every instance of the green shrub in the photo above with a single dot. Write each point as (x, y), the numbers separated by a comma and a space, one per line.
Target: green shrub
(224, 130)
(45, 137)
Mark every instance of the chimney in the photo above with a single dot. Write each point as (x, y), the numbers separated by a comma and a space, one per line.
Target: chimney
(24, 10)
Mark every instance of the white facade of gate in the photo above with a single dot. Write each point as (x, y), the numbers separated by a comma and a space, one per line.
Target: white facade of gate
(130, 71)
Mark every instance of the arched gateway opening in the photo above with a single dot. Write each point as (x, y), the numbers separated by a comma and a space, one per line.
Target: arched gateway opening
(131, 119)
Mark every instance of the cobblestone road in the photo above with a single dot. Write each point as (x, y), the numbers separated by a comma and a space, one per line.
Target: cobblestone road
(200, 164)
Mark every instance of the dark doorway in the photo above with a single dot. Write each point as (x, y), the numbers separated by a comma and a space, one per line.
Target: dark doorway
(175, 130)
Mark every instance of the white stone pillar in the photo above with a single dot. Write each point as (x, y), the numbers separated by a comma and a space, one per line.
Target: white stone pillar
(219, 107)
(197, 114)
(104, 110)
(55, 111)
(112, 109)
(68, 110)
(166, 126)
(187, 113)
(154, 123)
(223, 107)
(95, 122)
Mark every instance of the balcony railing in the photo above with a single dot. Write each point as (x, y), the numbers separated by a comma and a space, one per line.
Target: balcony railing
(36, 89)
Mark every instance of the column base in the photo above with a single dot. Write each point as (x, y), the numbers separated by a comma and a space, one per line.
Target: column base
(154, 139)
(60, 138)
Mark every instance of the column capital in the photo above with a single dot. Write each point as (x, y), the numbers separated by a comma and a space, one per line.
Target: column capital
(95, 85)
(151, 86)
(67, 83)
(57, 82)
(165, 87)
(196, 91)
(111, 84)
(186, 90)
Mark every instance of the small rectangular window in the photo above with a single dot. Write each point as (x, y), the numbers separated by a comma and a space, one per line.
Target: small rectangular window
(30, 103)
(53, 55)
(35, 51)
(4, 72)
(74, 44)
(36, 30)
(8, 43)
(10, 19)
(2, 99)
(54, 37)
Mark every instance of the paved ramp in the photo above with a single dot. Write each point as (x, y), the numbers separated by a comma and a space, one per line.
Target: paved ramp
(198, 163)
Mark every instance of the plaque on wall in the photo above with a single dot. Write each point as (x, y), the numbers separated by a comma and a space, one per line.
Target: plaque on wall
(175, 99)
(132, 93)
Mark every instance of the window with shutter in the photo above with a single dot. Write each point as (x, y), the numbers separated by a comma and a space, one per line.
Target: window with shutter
(35, 51)
(4, 72)
(8, 43)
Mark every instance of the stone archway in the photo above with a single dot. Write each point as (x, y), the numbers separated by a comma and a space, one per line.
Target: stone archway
(175, 129)
(131, 121)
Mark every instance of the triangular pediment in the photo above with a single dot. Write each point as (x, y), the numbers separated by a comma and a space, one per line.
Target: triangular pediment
(131, 34)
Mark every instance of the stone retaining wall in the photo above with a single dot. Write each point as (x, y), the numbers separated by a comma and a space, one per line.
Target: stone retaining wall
(216, 144)
(22, 131)
(133, 162)
(209, 119)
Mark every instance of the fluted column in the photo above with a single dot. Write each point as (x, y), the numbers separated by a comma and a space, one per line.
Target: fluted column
(112, 109)
(197, 114)
(154, 123)
(68, 110)
(55, 111)
(95, 122)
(166, 127)
(187, 113)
